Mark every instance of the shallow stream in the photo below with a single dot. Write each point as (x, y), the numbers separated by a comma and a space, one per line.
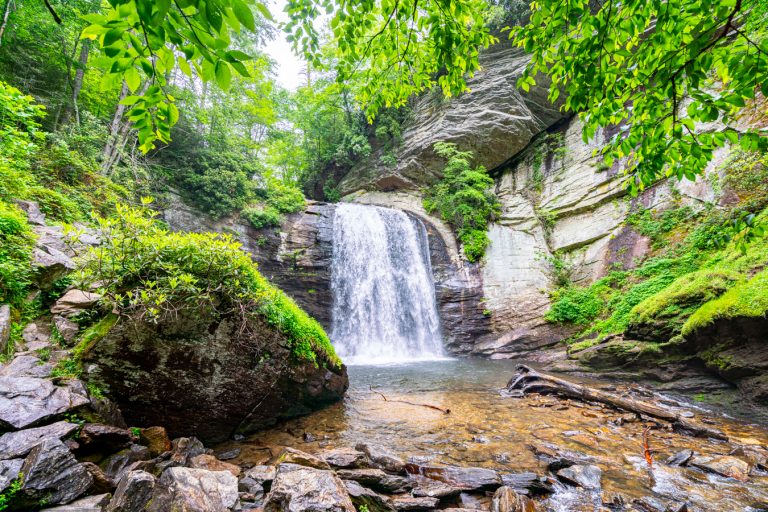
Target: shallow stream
(486, 429)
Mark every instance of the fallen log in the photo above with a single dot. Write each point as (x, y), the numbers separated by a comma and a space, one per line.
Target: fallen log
(529, 380)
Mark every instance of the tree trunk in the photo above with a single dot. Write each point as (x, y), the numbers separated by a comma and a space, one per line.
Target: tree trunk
(6, 13)
(77, 85)
(119, 130)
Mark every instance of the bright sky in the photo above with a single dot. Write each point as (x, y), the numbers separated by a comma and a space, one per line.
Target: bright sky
(289, 66)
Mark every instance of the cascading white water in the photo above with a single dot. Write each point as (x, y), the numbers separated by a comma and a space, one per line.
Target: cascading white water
(384, 308)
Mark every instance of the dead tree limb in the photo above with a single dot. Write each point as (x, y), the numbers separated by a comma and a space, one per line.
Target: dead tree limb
(529, 380)
(429, 406)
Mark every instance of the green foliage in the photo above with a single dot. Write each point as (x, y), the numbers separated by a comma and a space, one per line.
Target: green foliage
(747, 299)
(651, 55)
(463, 199)
(578, 306)
(392, 49)
(7, 496)
(148, 273)
(145, 40)
(15, 254)
(657, 225)
(559, 268)
(262, 217)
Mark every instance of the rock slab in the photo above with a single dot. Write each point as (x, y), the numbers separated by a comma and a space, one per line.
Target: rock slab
(302, 489)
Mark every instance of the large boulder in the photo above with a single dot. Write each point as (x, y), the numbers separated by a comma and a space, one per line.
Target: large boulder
(27, 401)
(194, 490)
(52, 473)
(204, 375)
(133, 492)
(302, 489)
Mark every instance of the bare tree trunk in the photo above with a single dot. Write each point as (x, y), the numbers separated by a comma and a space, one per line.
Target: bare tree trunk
(119, 129)
(6, 13)
(77, 85)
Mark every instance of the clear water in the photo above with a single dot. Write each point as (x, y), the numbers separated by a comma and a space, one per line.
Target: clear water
(384, 307)
(489, 430)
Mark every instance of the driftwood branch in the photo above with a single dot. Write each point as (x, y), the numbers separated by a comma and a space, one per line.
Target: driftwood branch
(429, 406)
(529, 380)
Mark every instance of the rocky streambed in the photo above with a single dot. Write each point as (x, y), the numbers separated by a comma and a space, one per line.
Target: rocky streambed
(499, 450)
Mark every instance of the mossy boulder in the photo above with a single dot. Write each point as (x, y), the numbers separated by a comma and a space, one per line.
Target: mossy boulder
(729, 335)
(202, 376)
(661, 316)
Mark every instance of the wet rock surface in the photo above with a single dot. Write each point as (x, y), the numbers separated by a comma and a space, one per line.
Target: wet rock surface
(299, 488)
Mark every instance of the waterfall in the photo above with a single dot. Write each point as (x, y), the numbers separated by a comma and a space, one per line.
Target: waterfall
(384, 307)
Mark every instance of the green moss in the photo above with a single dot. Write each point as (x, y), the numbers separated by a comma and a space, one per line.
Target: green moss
(746, 299)
(147, 272)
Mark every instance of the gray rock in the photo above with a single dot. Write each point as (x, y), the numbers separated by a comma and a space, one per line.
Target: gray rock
(67, 328)
(381, 457)
(20, 443)
(433, 488)
(303, 489)
(74, 302)
(263, 475)
(467, 479)
(527, 483)
(250, 486)
(292, 456)
(5, 327)
(229, 454)
(52, 473)
(50, 264)
(586, 476)
(26, 366)
(115, 465)
(681, 458)
(95, 437)
(725, 466)
(194, 490)
(344, 458)
(9, 471)
(32, 209)
(32, 334)
(362, 496)
(184, 448)
(26, 401)
(411, 503)
(506, 499)
(133, 492)
(376, 479)
(95, 503)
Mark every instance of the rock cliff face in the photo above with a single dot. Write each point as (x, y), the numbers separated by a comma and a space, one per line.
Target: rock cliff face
(495, 121)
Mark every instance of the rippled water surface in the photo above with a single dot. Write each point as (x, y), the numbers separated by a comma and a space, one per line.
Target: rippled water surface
(487, 429)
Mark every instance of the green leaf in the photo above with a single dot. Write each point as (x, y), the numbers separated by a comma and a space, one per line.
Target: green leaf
(223, 75)
(132, 79)
(243, 14)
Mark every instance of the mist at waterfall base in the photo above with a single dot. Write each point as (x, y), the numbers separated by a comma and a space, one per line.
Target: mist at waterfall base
(384, 307)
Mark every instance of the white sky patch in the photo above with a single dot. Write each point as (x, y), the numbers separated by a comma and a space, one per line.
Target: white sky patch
(290, 68)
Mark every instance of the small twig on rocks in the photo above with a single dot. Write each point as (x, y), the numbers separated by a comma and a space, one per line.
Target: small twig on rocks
(429, 406)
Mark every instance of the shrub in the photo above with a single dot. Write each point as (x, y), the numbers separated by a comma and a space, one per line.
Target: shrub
(463, 199)
(262, 217)
(147, 272)
(285, 198)
(578, 306)
(15, 254)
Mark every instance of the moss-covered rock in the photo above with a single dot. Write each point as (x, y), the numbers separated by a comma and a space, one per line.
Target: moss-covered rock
(661, 316)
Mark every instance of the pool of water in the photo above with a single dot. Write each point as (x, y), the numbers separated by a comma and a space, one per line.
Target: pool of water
(486, 429)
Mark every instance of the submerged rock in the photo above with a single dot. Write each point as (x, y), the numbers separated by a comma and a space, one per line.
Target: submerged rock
(194, 490)
(202, 375)
(681, 458)
(26, 401)
(302, 489)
